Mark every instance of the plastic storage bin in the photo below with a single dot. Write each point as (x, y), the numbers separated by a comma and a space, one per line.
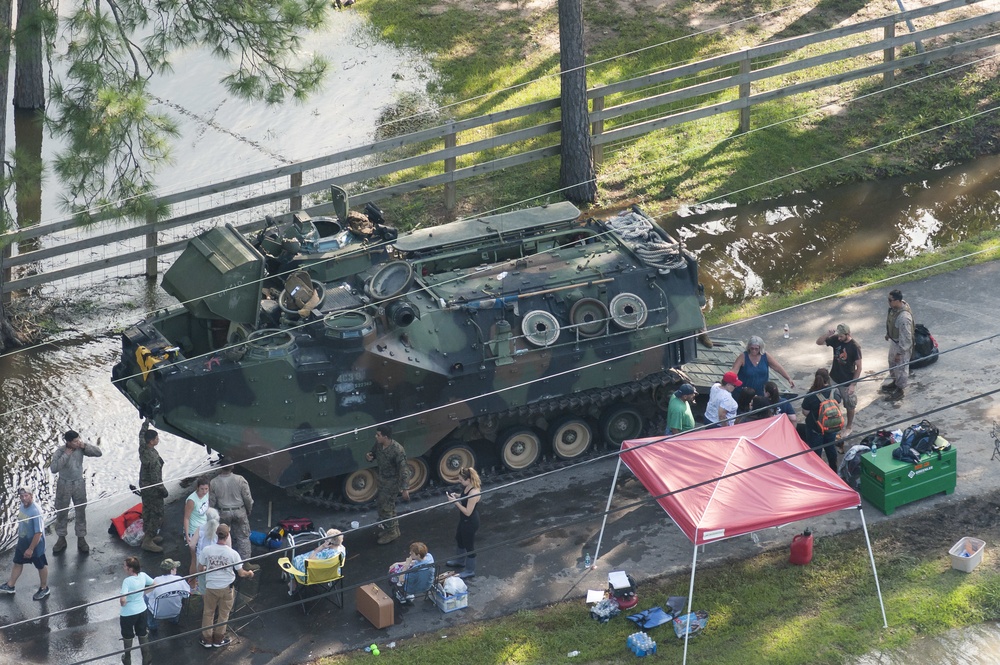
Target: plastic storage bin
(966, 554)
(449, 602)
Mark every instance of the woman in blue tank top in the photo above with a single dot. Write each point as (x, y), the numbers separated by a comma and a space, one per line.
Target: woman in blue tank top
(753, 366)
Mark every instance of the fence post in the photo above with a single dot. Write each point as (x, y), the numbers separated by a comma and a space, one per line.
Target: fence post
(596, 129)
(888, 55)
(151, 244)
(295, 181)
(450, 141)
(4, 275)
(745, 93)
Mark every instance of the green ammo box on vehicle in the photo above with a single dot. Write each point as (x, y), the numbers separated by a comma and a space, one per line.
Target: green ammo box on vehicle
(888, 483)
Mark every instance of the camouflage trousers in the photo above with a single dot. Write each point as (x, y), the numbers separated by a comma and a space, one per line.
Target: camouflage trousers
(152, 510)
(385, 502)
(74, 491)
(239, 529)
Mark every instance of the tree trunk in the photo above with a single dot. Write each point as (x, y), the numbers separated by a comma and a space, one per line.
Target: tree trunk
(8, 336)
(576, 173)
(29, 86)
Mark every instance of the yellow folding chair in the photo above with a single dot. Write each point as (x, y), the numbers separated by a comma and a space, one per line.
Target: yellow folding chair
(322, 576)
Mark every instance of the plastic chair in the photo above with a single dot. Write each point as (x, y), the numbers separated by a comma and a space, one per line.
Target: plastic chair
(320, 576)
(418, 580)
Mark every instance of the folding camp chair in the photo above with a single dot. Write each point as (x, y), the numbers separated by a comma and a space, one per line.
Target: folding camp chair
(417, 580)
(996, 440)
(245, 590)
(322, 576)
(167, 606)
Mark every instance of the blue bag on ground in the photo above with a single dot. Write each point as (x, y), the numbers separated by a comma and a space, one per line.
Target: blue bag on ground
(651, 618)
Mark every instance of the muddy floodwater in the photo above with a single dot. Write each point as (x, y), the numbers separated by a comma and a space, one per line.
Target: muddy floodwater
(749, 250)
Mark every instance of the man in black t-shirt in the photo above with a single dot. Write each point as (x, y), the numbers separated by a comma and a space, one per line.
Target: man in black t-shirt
(846, 367)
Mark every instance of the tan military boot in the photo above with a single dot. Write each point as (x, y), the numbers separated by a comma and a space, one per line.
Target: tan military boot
(82, 545)
(149, 545)
(388, 535)
(60, 545)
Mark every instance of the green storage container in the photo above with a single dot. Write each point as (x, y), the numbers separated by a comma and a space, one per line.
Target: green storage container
(888, 483)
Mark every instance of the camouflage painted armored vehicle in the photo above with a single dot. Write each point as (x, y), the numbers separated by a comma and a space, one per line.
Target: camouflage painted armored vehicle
(502, 338)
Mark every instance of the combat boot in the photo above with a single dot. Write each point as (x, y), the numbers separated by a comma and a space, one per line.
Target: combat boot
(157, 539)
(147, 651)
(60, 545)
(459, 560)
(388, 535)
(149, 545)
(82, 546)
(127, 656)
(470, 568)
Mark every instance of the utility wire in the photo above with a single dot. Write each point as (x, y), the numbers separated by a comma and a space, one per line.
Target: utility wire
(533, 534)
(846, 291)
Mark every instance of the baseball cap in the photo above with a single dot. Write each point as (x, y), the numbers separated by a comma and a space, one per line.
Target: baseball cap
(222, 531)
(21, 490)
(843, 329)
(169, 564)
(731, 378)
(685, 389)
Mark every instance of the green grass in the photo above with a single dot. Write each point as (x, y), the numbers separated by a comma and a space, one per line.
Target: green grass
(503, 58)
(782, 614)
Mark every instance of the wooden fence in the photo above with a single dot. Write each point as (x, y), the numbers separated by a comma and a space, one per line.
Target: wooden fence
(730, 83)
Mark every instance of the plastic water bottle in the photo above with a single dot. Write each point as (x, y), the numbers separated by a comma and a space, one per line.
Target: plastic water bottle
(786, 331)
(874, 449)
(586, 560)
(573, 654)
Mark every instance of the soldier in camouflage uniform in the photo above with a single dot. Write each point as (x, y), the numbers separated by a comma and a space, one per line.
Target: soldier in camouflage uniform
(390, 458)
(151, 487)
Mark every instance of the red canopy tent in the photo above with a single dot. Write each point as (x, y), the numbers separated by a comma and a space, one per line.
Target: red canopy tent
(730, 481)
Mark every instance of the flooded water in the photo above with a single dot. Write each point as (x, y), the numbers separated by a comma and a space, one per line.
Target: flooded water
(976, 645)
(750, 250)
(65, 384)
(744, 251)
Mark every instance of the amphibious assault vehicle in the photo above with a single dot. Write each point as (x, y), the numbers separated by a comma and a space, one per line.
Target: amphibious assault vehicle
(504, 338)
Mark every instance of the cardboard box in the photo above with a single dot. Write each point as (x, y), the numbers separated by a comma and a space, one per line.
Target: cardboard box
(449, 602)
(973, 548)
(375, 605)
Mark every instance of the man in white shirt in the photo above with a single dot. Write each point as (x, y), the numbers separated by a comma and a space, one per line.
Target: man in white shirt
(161, 605)
(721, 408)
(221, 564)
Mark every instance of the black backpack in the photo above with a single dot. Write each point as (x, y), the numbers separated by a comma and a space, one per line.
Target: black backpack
(925, 347)
(920, 437)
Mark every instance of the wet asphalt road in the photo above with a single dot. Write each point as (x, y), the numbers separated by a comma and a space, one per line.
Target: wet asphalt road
(535, 533)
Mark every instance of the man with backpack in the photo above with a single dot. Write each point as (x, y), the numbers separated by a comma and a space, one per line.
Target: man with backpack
(899, 334)
(846, 368)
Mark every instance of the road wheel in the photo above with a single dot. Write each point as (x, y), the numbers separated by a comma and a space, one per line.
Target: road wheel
(620, 423)
(360, 486)
(417, 474)
(571, 437)
(520, 448)
(453, 458)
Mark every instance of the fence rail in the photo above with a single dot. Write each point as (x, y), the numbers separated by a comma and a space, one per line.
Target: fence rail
(277, 190)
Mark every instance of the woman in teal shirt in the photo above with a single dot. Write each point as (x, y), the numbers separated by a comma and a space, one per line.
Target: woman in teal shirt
(132, 617)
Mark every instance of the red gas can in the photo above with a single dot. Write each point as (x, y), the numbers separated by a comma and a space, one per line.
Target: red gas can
(802, 548)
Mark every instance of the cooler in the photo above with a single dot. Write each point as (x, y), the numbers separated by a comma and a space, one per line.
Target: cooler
(888, 483)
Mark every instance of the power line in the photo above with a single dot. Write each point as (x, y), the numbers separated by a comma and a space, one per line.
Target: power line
(532, 534)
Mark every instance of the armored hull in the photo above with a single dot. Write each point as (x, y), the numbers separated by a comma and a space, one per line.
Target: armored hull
(508, 337)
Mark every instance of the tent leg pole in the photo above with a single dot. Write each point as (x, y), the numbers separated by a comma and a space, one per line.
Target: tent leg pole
(607, 508)
(687, 633)
(871, 556)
